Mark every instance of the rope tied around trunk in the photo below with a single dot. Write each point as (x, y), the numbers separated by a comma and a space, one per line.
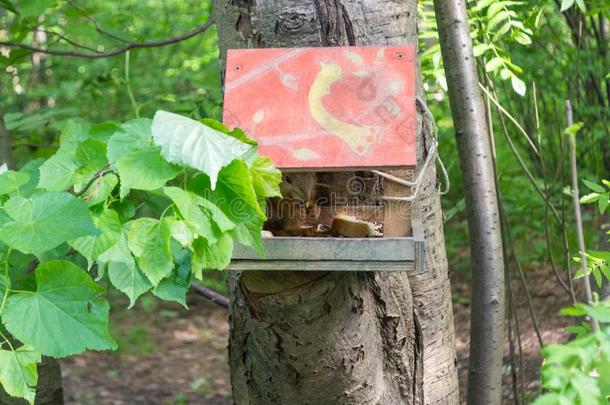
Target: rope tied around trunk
(432, 154)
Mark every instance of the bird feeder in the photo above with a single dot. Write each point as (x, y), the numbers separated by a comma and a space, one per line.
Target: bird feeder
(333, 110)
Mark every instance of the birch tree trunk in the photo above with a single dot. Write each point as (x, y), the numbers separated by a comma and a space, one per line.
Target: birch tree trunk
(341, 338)
(481, 194)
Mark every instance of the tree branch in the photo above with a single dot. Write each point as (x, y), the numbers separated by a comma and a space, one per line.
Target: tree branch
(114, 52)
(211, 295)
(95, 23)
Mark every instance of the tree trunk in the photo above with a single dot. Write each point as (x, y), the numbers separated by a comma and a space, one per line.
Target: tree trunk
(341, 338)
(481, 194)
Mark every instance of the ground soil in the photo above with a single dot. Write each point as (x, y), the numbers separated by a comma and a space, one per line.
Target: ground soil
(173, 356)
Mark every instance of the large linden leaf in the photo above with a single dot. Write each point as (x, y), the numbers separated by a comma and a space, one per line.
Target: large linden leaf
(18, 372)
(189, 205)
(234, 193)
(10, 181)
(175, 287)
(249, 234)
(109, 226)
(265, 178)
(149, 241)
(215, 256)
(144, 170)
(66, 315)
(44, 221)
(132, 136)
(58, 173)
(123, 272)
(190, 143)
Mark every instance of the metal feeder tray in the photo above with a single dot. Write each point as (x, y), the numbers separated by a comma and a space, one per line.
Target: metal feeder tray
(335, 254)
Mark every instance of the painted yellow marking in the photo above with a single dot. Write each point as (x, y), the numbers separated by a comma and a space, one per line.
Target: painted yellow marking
(359, 139)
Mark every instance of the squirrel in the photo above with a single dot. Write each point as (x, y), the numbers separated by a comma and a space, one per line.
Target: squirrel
(289, 214)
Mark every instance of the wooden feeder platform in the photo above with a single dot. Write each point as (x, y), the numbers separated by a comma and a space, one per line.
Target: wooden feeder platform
(335, 254)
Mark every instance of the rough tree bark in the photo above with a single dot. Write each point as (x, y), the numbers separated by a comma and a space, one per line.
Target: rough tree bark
(341, 338)
(476, 162)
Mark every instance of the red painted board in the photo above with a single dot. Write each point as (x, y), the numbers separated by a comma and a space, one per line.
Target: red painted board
(325, 108)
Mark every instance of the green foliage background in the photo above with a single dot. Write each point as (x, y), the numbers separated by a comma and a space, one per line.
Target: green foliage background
(532, 55)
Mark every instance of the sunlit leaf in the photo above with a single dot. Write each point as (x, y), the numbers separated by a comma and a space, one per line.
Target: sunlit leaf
(18, 372)
(70, 298)
(45, 221)
(190, 143)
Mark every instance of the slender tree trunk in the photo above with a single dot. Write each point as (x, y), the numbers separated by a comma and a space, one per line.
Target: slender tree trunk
(476, 161)
(341, 338)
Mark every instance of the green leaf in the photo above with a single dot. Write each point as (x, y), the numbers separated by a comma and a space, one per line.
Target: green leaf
(45, 221)
(31, 168)
(58, 173)
(518, 85)
(480, 49)
(573, 130)
(10, 181)
(215, 256)
(234, 193)
(190, 143)
(175, 287)
(132, 136)
(34, 8)
(581, 6)
(589, 198)
(66, 315)
(266, 178)
(149, 241)
(91, 155)
(603, 202)
(593, 186)
(236, 133)
(587, 389)
(101, 189)
(18, 372)
(123, 272)
(180, 231)
(566, 4)
(144, 170)
(494, 64)
(523, 38)
(553, 399)
(189, 205)
(249, 234)
(109, 226)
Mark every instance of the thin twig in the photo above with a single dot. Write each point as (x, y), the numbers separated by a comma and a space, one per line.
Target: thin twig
(511, 118)
(95, 23)
(114, 52)
(211, 295)
(96, 176)
(577, 215)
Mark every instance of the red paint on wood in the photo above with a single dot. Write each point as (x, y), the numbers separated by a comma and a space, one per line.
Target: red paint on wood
(325, 108)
